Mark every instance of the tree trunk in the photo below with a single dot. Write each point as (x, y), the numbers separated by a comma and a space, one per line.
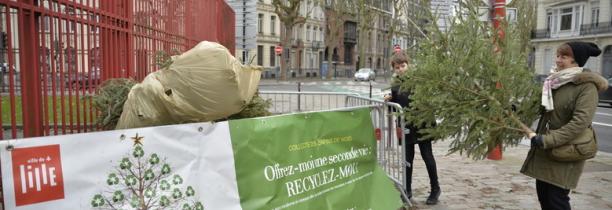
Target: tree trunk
(362, 46)
(286, 55)
(389, 50)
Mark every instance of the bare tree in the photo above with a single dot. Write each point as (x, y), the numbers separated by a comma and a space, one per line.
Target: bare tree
(366, 15)
(395, 24)
(288, 12)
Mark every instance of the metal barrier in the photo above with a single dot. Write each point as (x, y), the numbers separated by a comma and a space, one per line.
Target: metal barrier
(387, 119)
(388, 122)
(290, 102)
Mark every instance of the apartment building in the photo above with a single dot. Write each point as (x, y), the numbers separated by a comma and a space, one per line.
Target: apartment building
(377, 50)
(560, 21)
(258, 32)
(308, 41)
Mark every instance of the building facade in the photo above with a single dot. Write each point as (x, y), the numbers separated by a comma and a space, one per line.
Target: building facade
(564, 21)
(378, 46)
(343, 55)
(308, 41)
(258, 33)
(246, 28)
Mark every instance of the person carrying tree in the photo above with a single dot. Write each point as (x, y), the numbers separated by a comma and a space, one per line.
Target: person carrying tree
(569, 99)
(399, 63)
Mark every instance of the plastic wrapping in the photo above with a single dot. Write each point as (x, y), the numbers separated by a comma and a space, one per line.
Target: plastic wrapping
(203, 84)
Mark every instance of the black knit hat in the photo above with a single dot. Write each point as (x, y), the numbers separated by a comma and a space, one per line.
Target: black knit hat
(583, 50)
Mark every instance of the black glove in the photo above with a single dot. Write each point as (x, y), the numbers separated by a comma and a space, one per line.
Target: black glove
(537, 141)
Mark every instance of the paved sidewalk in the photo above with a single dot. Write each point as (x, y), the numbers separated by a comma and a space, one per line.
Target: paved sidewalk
(488, 184)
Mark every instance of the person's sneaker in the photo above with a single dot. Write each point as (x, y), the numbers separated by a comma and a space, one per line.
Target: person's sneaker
(433, 196)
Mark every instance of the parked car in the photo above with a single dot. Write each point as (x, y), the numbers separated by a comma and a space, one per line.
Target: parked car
(365, 74)
(606, 97)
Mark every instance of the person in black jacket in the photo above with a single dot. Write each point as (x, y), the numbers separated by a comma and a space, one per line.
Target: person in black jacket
(412, 135)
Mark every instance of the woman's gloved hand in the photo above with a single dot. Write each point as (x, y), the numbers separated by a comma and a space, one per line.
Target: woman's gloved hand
(537, 141)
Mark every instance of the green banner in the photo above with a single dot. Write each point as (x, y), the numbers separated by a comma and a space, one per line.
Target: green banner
(322, 160)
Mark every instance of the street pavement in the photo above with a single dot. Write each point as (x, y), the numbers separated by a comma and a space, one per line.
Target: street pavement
(498, 184)
(602, 123)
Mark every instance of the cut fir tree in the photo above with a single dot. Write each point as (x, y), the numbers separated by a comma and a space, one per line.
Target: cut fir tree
(474, 86)
(145, 182)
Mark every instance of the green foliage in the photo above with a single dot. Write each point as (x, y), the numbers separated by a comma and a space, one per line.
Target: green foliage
(163, 59)
(109, 100)
(462, 79)
(257, 107)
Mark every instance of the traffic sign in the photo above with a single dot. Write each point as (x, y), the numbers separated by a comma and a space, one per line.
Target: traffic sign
(489, 3)
(278, 50)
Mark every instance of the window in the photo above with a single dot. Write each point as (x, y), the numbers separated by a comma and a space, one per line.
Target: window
(260, 55)
(314, 34)
(260, 24)
(566, 19)
(577, 19)
(272, 56)
(301, 32)
(321, 34)
(312, 56)
(307, 33)
(595, 16)
(549, 20)
(273, 25)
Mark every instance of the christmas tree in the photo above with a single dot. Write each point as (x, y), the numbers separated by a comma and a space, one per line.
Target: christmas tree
(145, 182)
(474, 84)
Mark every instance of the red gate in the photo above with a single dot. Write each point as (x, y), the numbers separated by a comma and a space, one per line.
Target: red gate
(55, 52)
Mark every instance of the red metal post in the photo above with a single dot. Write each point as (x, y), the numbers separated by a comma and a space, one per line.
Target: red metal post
(499, 13)
(130, 69)
(120, 37)
(30, 72)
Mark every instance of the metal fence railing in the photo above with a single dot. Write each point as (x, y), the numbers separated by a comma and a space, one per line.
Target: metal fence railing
(387, 119)
(290, 102)
(55, 52)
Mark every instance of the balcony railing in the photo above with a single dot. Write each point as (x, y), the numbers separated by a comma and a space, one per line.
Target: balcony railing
(297, 43)
(585, 29)
(540, 34)
(596, 28)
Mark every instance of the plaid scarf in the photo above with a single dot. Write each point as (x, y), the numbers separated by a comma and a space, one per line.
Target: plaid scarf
(554, 81)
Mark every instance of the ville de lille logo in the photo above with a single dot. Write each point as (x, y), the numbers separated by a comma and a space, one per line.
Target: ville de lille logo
(37, 174)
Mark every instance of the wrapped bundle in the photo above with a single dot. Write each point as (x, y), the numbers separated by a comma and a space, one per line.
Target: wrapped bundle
(203, 84)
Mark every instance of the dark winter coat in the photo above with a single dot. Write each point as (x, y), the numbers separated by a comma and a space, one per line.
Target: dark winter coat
(575, 104)
(402, 97)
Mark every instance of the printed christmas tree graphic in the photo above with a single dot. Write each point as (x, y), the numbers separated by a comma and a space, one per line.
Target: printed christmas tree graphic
(145, 182)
